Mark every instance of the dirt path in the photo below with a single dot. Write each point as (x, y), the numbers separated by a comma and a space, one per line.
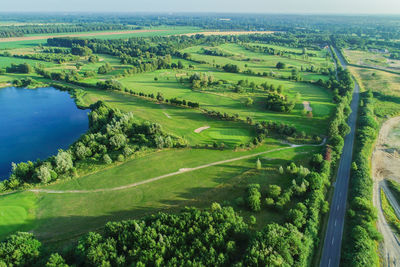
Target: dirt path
(42, 37)
(199, 130)
(307, 106)
(384, 166)
(180, 171)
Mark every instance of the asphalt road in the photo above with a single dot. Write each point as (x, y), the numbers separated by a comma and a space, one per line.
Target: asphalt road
(333, 236)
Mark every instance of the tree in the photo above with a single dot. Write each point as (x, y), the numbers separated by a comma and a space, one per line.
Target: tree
(43, 174)
(117, 141)
(249, 102)
(275, 245)
(78, 65)
(280, 65)
(56, 260)
(63, 161)
(274, 191)
(20, 249)
(254, 197)
(258, 164)
(107, 159)
(281, 170)
(253, 220)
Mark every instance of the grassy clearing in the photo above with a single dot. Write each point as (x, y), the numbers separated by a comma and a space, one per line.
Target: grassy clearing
(222, 183)
(385, 87)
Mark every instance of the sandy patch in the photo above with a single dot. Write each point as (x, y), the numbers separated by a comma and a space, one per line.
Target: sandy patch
(199, 130)
(42, 37)
(228, 33)
(307, 106)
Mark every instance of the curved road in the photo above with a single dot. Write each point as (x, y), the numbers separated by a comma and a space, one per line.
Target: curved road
(334, 232)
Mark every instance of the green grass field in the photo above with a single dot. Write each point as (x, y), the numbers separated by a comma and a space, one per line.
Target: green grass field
(64, 217)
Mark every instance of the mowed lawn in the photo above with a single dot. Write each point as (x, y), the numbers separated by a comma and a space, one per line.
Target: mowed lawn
(176, 120)
(168, 84)
(64, 216)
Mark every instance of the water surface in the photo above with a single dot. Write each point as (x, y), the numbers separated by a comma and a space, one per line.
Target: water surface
(35, 123)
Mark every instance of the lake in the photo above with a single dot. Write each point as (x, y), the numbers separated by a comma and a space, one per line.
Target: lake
(35, 123)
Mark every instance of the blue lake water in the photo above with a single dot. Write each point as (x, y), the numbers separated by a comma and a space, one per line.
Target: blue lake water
(36, 123)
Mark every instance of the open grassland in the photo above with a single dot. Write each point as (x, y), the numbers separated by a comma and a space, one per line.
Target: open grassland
(373, 59)
(62, 216)
(259, 62)
(385, 87)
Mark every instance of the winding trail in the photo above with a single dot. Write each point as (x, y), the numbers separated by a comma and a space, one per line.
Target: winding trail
(180, 171)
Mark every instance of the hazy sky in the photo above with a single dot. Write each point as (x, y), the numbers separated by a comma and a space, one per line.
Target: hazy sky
(259, 6)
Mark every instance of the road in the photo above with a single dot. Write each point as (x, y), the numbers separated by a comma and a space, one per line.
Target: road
(183, 170)
(391, 244)
(334, 232)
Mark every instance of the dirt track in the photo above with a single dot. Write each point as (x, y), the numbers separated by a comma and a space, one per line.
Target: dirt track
(385, 164)
(180, 171)
(43, 37)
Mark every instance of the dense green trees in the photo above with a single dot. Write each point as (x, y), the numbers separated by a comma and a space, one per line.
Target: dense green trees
(207, 238)
(279, 103)
(20, 249)
(276, 245)
(20, 68)
(360, 248)
(18, 31)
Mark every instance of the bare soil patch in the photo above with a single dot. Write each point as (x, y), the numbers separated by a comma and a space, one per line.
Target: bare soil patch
(42, 37)
(199, 130)
(386, 164)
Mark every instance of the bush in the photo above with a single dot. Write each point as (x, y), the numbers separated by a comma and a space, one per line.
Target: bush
(107, 159)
